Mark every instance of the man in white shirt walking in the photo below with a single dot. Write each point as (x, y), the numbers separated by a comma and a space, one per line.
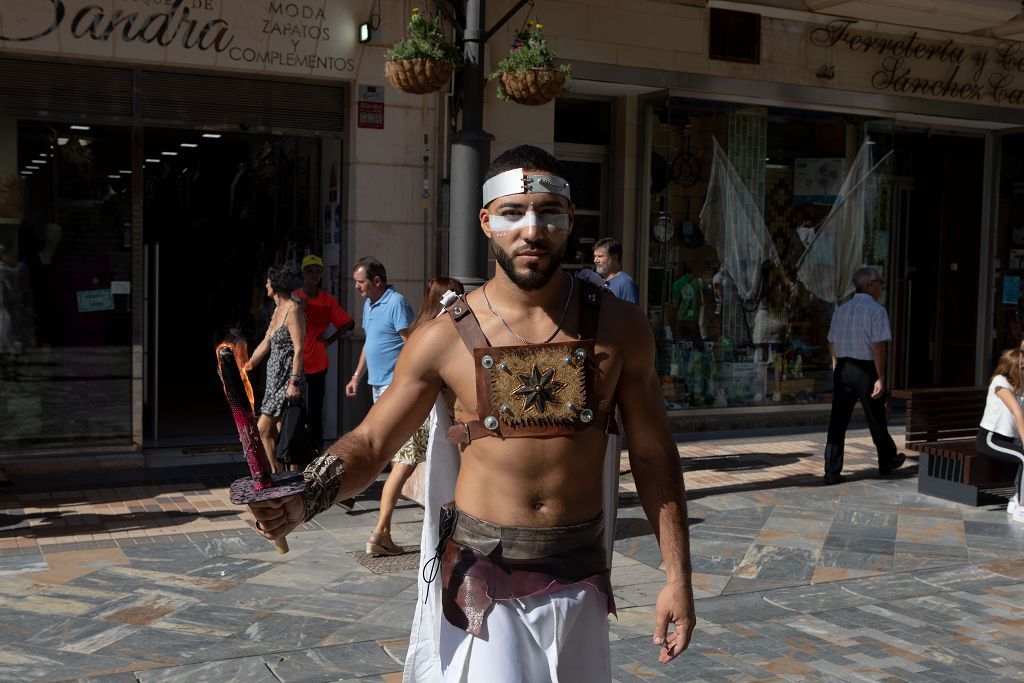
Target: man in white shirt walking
(857, 341)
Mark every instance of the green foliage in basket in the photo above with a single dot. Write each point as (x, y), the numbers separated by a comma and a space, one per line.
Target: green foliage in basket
(425, 40)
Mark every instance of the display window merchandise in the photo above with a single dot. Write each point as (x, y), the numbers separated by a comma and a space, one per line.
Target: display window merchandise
(756, 219)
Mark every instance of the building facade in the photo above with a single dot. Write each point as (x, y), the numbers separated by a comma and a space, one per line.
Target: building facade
(157, 157)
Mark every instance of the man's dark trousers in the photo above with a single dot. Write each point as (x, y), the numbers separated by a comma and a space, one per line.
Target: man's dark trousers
(854, 380)
(315, 383)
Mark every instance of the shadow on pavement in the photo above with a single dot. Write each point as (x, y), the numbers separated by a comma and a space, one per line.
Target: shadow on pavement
(56, 524)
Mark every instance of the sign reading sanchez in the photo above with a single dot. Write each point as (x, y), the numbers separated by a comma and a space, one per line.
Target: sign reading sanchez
(912, 65)
(267, 36)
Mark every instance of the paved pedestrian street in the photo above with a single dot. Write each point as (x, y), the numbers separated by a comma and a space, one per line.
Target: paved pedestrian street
(864, 581)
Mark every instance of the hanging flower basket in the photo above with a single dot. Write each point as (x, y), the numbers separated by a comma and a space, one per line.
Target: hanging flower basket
(419, 75)
(533, 86)
(528, 74)
(423, 61)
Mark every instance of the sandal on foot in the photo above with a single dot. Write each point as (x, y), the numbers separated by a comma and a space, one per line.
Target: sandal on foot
(382, 545)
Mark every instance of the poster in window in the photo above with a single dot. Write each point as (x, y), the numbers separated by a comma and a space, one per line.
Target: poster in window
(1011, 289)
(817, 181)
(1017, 259)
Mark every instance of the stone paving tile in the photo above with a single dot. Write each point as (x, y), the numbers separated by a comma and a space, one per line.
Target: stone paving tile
(387, 586)
(738, 584)
(860, 543)
(643, 594)
(335, 606)
(837, 565)
(235, 569)
(643, 549)
(140, 609)
(257, 597)
(209, 620)
(332, 663)
(250, 669)
(127, 579)
(32, 663)
(705, 563)
(281, 631)
(77, 634)
(160, 647)
(356, 632)
(773, 563)
(22, 564)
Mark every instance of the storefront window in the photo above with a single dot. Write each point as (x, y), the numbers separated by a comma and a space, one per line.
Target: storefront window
(757, 218)
(65, 288)
(219, 210)
(1009, 247)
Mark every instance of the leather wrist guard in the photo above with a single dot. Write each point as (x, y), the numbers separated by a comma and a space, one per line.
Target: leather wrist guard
(323, 481)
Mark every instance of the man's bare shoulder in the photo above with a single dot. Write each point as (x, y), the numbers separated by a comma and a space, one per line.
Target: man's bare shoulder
(434, 334)
(434, 331)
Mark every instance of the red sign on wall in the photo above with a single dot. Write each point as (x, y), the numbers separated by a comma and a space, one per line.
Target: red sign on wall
(370, 113)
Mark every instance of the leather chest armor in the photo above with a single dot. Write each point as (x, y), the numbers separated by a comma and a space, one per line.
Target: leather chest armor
(532, 389)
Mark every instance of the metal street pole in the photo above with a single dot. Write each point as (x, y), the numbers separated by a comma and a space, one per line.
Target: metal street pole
(471, 153)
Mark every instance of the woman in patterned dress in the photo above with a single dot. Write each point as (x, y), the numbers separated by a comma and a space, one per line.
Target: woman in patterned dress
(404, 462)
(283, 341)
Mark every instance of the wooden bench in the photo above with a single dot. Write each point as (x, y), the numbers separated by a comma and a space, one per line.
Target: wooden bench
(942, 424)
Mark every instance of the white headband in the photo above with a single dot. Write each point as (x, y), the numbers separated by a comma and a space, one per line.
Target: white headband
(516, 182)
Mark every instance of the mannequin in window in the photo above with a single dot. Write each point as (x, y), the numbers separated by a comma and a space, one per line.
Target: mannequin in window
(805, 233)
(688, 296)
(729, 307)
(771, 321)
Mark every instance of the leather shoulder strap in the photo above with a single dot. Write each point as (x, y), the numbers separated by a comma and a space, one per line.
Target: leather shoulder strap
(590, 307)
(466, 324)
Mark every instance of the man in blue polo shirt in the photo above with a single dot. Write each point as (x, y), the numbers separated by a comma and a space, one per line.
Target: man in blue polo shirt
(386, 319)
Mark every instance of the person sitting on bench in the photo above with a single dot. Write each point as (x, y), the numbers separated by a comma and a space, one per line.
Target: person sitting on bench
(1003, 421)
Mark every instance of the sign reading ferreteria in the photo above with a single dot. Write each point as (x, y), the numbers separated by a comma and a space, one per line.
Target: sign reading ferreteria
(973, 73)
(315, 38)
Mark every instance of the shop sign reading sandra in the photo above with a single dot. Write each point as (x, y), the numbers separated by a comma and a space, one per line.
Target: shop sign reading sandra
(279, 36)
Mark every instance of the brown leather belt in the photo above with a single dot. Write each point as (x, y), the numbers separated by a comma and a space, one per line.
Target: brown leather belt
(484, 562)
(463, 433)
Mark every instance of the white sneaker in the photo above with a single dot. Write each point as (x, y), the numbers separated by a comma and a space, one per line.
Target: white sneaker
(1018, 515)
(1013, 506)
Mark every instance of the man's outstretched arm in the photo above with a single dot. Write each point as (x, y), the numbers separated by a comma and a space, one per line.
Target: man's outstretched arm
(654, 459)
(354, 461)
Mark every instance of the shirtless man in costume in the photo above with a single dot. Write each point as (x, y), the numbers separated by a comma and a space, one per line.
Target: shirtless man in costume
(523, 574)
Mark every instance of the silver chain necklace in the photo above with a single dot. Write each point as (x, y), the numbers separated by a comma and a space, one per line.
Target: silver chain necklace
(561, 320)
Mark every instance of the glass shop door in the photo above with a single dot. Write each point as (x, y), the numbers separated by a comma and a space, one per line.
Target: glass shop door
(219, 210)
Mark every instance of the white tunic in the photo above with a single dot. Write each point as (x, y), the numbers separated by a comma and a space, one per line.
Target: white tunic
(550, 633)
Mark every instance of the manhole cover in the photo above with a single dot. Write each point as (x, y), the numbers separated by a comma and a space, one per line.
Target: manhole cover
(385, 564)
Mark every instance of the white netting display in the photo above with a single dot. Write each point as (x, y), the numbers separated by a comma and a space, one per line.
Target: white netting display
(837, 248)
(733, 223)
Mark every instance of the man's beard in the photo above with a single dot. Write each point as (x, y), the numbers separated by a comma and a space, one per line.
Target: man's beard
(602, 270)
(535, 277)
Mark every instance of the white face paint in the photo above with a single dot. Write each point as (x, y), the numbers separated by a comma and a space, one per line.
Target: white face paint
(515, 220)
